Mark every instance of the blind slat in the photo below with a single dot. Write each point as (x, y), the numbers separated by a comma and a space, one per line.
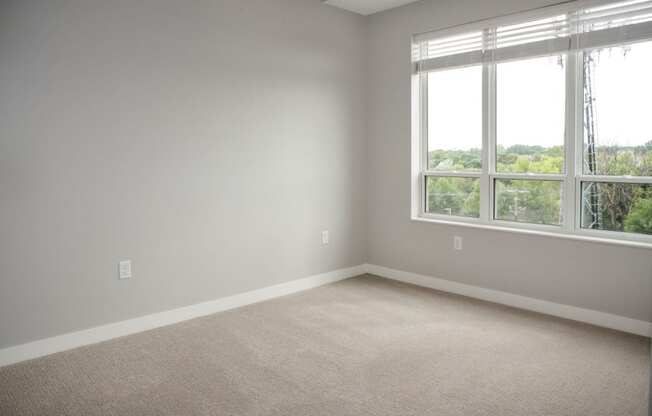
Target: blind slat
(561, 31)
(614, 36)
(450, 61)
(451, 45)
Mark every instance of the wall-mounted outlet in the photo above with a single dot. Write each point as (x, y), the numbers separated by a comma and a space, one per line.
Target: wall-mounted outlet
(325, 237)
(124, 269)
(457, 242)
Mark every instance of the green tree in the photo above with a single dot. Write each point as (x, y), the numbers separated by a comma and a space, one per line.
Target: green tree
(639, 219)
(623, 207)
(454, 196)
(537, 202)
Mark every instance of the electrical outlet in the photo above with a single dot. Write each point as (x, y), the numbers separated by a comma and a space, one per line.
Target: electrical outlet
(124, 269)
(457, 242)
(325, 238)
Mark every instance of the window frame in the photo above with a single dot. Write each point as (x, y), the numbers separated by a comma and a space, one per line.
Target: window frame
(571, 178)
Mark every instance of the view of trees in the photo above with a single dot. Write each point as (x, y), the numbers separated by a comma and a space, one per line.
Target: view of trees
(537, 202)
(622, 207)
(453, 196)
(530, 125)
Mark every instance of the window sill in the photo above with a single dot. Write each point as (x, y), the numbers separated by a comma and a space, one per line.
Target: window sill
(561, 235)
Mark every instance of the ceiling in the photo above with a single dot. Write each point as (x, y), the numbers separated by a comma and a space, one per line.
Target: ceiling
(366, 7)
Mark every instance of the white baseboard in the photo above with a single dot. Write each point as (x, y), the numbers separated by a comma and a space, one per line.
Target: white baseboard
(68, 341)
(589, 316)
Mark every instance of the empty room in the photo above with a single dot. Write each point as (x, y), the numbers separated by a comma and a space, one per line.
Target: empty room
(325, 207)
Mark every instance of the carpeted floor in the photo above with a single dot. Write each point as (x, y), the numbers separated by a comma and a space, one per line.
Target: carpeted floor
(364, 346)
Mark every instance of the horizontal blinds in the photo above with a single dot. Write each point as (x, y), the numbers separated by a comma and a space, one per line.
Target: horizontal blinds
(459, 50)
(534, 31)
(614, 23)
(535, 38)
(452, 45)
(615, 15)
(574, 28)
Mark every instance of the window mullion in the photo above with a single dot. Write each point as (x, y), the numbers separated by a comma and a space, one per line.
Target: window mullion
(423, 85)
(569, 200)
(452, 174)
(578, 144)
(486, 203)
(489, 140)
(484, 184)
(423, 139)
(618, 179)
(530, 176)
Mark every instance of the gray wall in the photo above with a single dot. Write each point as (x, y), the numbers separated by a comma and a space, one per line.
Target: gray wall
(607, 278)
(208, 141)
(211, 142)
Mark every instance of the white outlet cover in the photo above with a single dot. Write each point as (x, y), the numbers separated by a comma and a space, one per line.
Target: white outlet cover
(457, 242)
(325, 238)
(124, 269)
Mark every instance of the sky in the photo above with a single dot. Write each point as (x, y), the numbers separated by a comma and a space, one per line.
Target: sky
(530, 101)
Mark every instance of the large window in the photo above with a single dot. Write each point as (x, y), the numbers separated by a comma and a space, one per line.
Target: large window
(541, 123)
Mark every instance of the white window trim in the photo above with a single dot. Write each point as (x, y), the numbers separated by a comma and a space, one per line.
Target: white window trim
(571, 179)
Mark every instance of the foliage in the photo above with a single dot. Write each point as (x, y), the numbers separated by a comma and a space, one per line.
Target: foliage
(537, 202)
(454, 196)
(639, 219)
(455, 160)
(615, 160)
(622, 207)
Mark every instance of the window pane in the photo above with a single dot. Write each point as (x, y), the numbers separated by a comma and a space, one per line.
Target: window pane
(617, 90)
(530, 115)
(455, 119)
(622, 207)
(531, 201)
(453, 196)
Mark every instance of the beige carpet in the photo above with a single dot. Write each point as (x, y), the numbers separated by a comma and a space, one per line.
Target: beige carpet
(365, 346)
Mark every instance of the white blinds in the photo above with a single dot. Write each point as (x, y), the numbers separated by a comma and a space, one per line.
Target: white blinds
(614, 23)
(571, 26)
(465, 49)
(534, 38)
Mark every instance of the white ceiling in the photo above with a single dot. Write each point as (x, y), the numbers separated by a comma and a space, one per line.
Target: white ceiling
(367, 7)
